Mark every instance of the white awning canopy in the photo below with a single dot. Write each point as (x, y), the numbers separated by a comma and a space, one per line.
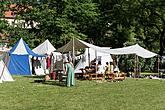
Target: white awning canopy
(134, 49)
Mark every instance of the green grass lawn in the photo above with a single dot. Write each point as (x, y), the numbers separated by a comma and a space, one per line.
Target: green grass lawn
(148, 73)
(131, 94)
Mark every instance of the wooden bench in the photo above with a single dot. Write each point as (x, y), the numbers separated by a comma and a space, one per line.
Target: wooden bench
(96, 76)
(116, 76)
(119, 77)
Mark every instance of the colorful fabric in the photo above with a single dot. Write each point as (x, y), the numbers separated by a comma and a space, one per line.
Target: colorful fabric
(48, 62)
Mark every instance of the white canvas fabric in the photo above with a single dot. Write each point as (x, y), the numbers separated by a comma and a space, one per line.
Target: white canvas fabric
(44, 48)
(96, 48)
(143, 52)
(39, 71)
(57, 56)
(20, 50)
(104, 57)
(89, 55)
(134, 49)
(4, 73)
(39, 66)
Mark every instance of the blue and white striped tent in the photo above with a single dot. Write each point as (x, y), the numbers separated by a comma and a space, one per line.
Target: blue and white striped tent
(20, 56)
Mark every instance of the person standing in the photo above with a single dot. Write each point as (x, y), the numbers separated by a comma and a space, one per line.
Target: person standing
(69, 71)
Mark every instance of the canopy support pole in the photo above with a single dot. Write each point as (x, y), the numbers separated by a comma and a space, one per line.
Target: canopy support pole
(117, 61)
(96, 60)
(89, 58)
(158, 63)
(73, 54)
(138, 69)
(135, 67)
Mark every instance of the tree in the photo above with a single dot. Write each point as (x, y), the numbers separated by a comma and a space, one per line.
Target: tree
(151, 16)
(126, 22)
(59, 20)
(4, 26)
(115, 23)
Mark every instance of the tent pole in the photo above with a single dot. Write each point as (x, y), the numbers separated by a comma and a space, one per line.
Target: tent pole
(158, 63)
(138, 70)
(89, 58)
(96, 60)
(135, 67)
(73, 54)
(117, 61)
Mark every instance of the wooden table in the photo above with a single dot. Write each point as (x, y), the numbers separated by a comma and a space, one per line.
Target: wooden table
(85, 74)
(96, 76)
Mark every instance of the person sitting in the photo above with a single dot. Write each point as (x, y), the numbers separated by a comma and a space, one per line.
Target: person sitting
(90, 69)
(93, 63)
(116, 71)
(100, 68)
(107, 68)
(111, 67)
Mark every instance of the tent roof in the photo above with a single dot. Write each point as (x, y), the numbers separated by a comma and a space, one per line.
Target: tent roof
(134, 49)
(78, 44)
(45, 48)
(69, 46)
(21, 48)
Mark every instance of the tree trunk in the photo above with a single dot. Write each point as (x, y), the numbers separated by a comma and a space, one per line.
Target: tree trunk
(162, 44)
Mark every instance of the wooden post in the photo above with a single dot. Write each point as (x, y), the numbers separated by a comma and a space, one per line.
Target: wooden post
(73, 52)
(158, 63)
(96, 61)
(135, 67)
(138, 71)
(117, 61)
(89, 58)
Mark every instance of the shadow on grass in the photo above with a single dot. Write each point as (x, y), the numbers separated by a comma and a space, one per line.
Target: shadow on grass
(35, 76)
(50, 82)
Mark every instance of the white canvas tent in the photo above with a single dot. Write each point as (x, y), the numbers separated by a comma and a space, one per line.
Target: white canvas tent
(20, 58)
(46, 48)
(76, 44)
(4, 72)
(134, 49)
(94, 51)
(92, 55)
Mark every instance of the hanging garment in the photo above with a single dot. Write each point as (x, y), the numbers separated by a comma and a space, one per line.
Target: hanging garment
(48, 62)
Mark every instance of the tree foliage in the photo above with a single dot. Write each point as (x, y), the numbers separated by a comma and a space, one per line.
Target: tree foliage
(59, 20)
